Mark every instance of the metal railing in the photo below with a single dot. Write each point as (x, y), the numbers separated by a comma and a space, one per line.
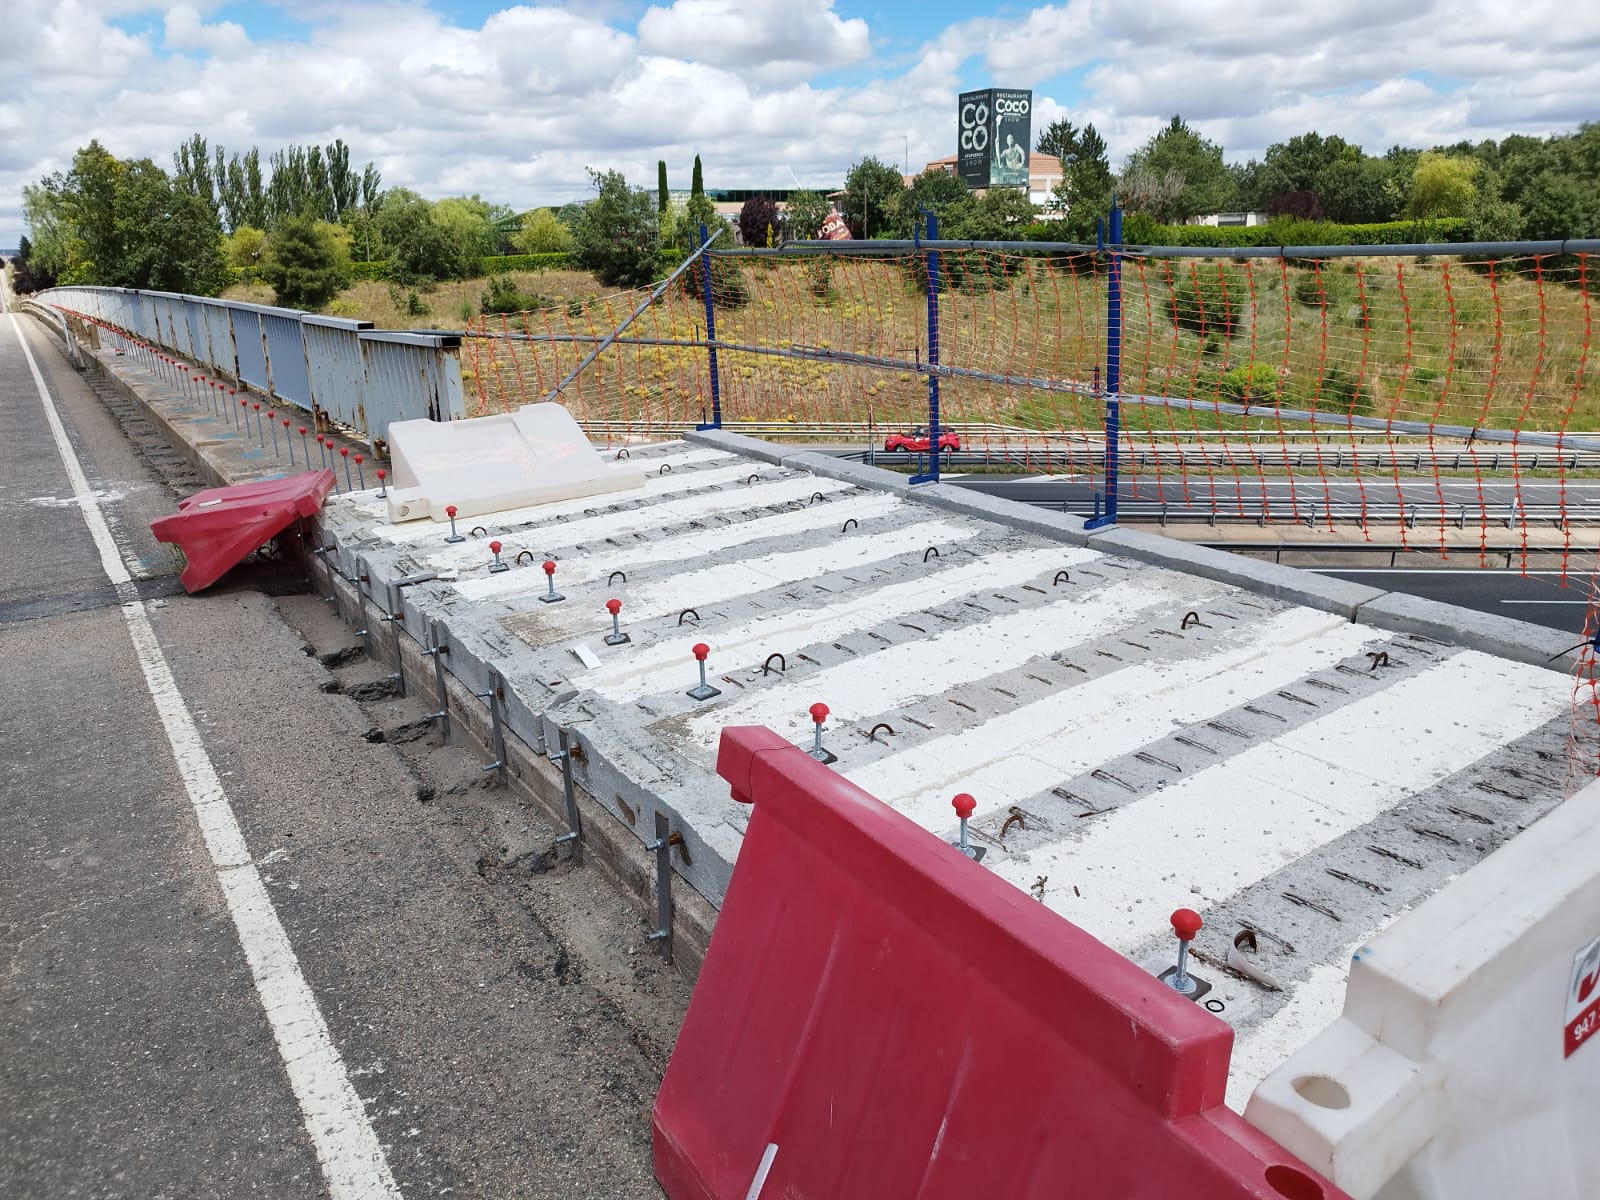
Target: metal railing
(341, 371)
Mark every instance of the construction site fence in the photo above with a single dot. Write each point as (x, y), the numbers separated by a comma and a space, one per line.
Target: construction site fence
(340, 370)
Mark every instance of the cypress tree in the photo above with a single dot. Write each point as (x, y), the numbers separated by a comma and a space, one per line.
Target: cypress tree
(661, 185)
(697, 185)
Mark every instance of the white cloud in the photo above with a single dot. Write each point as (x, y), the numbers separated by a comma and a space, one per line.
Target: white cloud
(515, 107)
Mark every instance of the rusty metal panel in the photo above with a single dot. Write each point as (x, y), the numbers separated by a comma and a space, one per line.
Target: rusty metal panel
(194, 315)
(248, 347)
(410, 376)
(333, 364)
(286, 356)
(219, 332)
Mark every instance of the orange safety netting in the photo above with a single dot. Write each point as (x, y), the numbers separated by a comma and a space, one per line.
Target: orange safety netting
(1438, 401)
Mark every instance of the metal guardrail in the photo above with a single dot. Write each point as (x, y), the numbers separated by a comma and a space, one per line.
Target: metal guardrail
(343, 371)
(1316, 516)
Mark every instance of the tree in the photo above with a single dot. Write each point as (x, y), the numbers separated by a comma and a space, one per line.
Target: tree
(1560, 206)
(305, 267)
(470, 222)
(758, 221)
(1441, 186)
(697, 183)
(1179, 173)
(1084, 192)
(804, 212)
(616, 235)
(1059, 138)
(942, 193)
(418, 247)
(871, 203)
(246, 247)
(661, 185)
(543, 233)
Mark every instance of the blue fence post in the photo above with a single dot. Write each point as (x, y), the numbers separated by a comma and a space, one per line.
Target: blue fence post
(932, 474)
(1106, 514)
(711, 334)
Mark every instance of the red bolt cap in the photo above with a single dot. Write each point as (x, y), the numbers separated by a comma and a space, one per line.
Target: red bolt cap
(494, 549)
(258, 408)
(701, 650)
(549, 567)
(303, 431)
(382, 474)
(449, 509)
(286, 422)
(358, 460)
(1185, 923)
(819, 713)
(964, 805)
(344, 451)
(613, 607)
(271, 415)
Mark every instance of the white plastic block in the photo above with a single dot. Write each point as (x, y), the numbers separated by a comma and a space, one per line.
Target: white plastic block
(488, 464)
(1466, 1064)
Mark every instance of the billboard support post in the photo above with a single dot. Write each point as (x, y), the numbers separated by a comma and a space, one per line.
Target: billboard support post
(932, 474)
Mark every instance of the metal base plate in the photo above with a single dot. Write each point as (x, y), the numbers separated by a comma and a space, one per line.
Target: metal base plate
(1201, 986)
(703, 692)
(824, 756)
(975, 853)
(499, 566)
(460, 537)
(617, 639)
(551, 599)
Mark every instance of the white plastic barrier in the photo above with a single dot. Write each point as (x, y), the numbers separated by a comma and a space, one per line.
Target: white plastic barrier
(488, 464)
(1463, 1067)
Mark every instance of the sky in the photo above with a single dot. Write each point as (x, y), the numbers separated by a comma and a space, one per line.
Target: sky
(455, 97)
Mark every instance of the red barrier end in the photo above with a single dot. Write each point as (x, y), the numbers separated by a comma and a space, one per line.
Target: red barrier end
(701, 650)
(549, 567)
(1185, 923)
(964, 805)
(819, 713)
(613, 607)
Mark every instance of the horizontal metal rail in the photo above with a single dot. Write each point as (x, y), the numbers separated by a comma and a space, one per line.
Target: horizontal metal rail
(885, 246)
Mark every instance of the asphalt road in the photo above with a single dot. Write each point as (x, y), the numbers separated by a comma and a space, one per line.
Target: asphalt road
(258, 937)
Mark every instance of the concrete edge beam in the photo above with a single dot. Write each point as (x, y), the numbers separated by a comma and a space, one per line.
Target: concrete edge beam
(1057, 526)
(737, 443)
(846, 471)
(1505, 637)
(1292, 584)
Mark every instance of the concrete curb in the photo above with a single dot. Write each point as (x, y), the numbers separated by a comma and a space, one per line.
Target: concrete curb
(1504, 636)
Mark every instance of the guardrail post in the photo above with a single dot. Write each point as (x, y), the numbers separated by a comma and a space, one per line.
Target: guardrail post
(1113, 385)
(711, 334)
(932, 474)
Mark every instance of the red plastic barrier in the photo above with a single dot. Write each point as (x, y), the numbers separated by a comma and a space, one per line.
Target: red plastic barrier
(897, 1023)
(219, 527)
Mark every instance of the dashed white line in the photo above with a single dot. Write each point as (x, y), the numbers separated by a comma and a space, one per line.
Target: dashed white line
(353, 1164)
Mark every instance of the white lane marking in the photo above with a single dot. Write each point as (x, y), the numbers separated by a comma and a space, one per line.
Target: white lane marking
(659, 667)
(1009, 758)
(871, 684)
(1581, 602)
(352, 1161)
(685, 546)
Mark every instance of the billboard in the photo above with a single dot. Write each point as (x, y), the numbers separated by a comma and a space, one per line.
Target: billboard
(994, 131)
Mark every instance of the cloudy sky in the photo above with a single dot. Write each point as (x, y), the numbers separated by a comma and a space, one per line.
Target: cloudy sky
(458, 96)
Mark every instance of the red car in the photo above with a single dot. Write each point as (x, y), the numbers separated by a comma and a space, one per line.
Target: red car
(917, 441)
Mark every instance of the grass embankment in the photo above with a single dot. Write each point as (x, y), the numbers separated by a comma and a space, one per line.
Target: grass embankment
(1430, 341)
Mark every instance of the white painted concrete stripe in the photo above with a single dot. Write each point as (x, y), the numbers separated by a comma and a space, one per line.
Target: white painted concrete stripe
(1232, 824)
(1313, 1004)
(376, 511)
(686, 546)
(944, 662)
(558, 538)
(642, 671)
(353, 1164)
(1014, 756)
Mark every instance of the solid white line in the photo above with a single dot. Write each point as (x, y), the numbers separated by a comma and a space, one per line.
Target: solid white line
(1465, 572)
(352, 1161)
(1583, 602)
